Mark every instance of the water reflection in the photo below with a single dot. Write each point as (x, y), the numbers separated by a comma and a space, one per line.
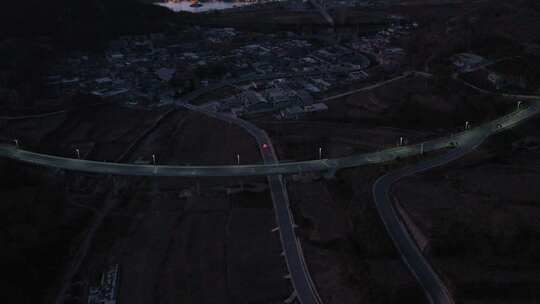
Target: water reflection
(198, 7)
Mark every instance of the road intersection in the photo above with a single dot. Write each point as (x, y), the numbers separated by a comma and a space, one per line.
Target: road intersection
(304, 289)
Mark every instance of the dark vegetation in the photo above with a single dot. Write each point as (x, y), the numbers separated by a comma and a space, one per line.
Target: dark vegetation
(33, 33)
(480, 214)
(36, 227)
(495, 29)
(80, 24)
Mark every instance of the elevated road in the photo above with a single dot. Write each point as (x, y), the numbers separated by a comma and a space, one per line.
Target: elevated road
(304, 288)
(270, 168)
(412, 256)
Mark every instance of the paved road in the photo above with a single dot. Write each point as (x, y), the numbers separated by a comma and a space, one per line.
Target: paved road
(304, 289)
(199, 92)
(410, 253)
(275, 168)
(49, 114)
(477, 88)
(379, 84)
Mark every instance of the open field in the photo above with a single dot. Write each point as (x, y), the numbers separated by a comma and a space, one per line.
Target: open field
(480, 218)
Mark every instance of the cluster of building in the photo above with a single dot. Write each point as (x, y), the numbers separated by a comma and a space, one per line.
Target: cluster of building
(154, 70)
(289, 98)
(381, 45)
(468, 62)
(129, 68)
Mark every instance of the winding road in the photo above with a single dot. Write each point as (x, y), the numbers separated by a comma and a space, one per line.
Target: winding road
(410, 253)
(304, 289)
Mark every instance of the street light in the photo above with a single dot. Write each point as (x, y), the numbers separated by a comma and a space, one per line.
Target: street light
(78, 152)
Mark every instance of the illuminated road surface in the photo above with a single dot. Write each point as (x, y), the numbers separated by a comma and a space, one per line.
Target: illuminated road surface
(471, 137)
(300, 277)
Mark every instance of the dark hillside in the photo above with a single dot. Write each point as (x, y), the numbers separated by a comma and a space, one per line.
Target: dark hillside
(80, 24)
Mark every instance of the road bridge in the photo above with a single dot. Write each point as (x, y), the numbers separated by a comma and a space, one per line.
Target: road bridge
(468, 137)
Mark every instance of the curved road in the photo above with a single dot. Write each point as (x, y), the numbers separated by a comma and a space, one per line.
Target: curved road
(304, 288)
(303, 285)
(410, 253)
(270, 167)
